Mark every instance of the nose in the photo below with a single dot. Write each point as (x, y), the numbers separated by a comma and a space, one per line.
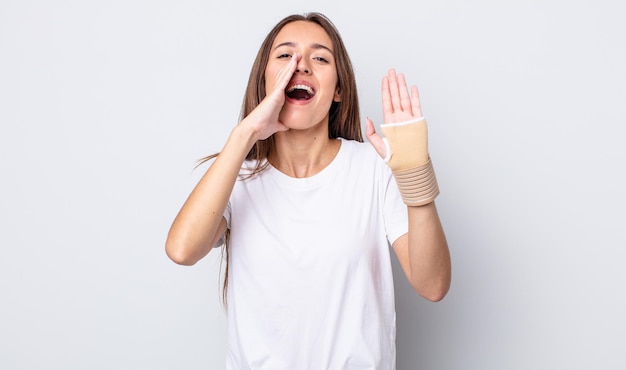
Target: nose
(302, 67)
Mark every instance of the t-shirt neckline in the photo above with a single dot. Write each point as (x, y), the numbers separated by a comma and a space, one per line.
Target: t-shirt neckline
(311, 181)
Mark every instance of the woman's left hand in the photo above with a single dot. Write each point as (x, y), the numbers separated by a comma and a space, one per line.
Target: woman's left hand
(398, 106)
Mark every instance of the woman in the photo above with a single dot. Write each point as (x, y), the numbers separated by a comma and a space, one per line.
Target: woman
(309, 210)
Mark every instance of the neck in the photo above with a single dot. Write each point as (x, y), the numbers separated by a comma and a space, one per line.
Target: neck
(303, 154)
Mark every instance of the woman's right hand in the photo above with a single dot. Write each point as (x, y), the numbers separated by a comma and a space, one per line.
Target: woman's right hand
(200, 221)
(264, 119)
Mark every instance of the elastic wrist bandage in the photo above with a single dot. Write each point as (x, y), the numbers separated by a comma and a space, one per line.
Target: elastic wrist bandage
(408, 159)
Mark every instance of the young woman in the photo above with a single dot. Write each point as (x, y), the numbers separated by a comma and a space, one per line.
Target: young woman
(306, 211)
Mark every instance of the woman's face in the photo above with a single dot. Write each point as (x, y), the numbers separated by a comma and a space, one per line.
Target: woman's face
(313, 87)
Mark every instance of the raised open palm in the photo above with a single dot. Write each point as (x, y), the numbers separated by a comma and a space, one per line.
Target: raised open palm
(398, 106)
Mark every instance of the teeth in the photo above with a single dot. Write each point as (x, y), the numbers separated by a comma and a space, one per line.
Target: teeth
(301, 87)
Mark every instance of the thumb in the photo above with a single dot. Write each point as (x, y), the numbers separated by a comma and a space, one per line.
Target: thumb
(374, 139)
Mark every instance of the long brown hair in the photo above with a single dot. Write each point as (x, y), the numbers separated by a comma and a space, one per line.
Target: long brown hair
(344, 116)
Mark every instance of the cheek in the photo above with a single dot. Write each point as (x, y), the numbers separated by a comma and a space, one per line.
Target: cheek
(266, 81)
(271, 71)
(333, 87)
(269, 77)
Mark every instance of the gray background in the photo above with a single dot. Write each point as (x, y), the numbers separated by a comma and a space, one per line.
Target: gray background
(106, 105)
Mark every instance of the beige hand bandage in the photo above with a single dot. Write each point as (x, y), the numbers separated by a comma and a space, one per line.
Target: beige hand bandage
(407, 156)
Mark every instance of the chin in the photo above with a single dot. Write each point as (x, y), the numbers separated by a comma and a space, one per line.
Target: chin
(296, 121)
(300, 127)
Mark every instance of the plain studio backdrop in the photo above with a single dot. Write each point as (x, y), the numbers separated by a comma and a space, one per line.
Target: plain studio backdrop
(106, 105)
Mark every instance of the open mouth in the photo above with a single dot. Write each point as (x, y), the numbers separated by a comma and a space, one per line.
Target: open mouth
(300, 92)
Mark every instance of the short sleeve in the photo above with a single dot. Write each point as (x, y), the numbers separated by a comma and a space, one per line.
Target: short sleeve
(227, 213)
(395, 213)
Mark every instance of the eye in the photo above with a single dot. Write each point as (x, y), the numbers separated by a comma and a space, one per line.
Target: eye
(284, 55)
(321, 59)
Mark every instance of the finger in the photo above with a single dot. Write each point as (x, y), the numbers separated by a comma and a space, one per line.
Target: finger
(416, 105)
(374, 139)
(284, 75)
(405, 100)
(393, 90)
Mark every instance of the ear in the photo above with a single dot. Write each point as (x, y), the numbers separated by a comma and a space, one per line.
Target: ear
(337, 96)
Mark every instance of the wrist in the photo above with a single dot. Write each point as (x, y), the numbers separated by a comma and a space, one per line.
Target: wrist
(245, 134)
(408, 159)
(418, 185)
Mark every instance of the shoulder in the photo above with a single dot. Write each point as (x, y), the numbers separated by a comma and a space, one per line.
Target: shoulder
(358, 149)
(362, 164)
(362, 153)
(252, 168)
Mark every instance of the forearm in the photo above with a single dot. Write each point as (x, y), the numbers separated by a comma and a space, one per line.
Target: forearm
(429, 257)
(423, 253)
(196, 224)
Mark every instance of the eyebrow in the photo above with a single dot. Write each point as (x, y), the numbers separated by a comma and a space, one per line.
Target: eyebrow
(313, 46)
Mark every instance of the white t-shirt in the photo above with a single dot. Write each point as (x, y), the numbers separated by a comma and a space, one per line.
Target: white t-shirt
(310, 281)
